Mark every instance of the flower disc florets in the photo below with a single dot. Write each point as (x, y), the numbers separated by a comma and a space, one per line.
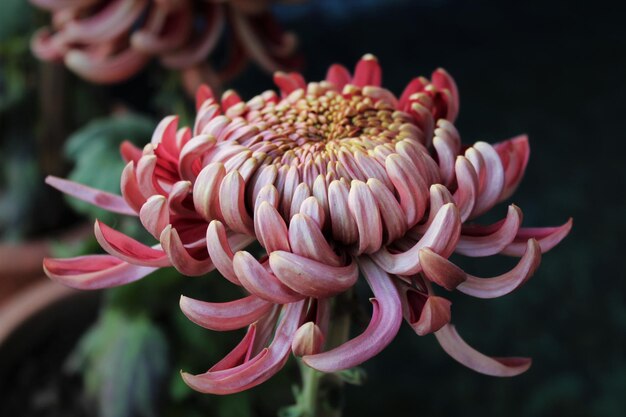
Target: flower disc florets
(335, 180)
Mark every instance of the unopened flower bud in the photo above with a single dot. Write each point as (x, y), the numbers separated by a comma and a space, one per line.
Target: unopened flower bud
(308, 340)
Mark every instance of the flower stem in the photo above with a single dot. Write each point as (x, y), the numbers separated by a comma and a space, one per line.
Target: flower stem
(309, 396)
(320, 394)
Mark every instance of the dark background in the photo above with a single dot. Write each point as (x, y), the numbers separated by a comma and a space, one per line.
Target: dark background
(554, 70)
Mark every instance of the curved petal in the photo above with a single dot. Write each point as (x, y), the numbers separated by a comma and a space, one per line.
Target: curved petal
(256, 370)
(339, 76)
(443, 272)
(492, 243)
(425, 313)
(383, 327)
(127, 248)
(460, 351)
(367, 72)
(94, 272)
(441, 237)
(256, 279)
(180, 257)
(505, 283)
(312, 278)
(110, 202)
(225, 316)
(514, 154)
(548, 237)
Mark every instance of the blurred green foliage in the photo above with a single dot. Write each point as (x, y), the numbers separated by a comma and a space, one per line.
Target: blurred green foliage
(123, 359)
(94, 150)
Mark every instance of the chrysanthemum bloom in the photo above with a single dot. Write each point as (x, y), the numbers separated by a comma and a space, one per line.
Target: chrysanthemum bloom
(334, 179)
(109, 41)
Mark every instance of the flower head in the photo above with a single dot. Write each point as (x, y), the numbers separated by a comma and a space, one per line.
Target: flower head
(110, 41)
(334, 179)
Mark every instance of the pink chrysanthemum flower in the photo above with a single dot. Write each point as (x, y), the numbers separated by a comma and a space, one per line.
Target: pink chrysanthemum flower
(334, 179)
(109, 41)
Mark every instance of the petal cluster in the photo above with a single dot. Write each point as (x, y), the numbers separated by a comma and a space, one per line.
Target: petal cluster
(336, 180)
(109, 41)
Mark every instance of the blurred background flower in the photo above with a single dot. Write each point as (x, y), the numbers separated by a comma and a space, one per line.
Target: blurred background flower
(110, 41)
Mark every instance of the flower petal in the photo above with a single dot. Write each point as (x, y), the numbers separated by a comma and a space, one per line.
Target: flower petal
(258, 369)
(492, 243)
(93, 272)
(383, 327)
(225, 316)
(548, 237)
(367, 72)
(180, 257)
(441, 237)
(110, 202)
(460, 351)
(127, 248)
(258, 281)
(312, 278)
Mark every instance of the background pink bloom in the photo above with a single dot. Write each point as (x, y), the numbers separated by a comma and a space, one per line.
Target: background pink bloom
(110, 41)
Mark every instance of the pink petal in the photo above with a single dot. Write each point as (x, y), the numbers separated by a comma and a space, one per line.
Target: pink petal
(391, 213)
(94, 272)
(495, 242)
(155, 215)
(548, 237)
(444, 81)
(106, 70)
(287, 83)
(364, 210)
(514, 154)
(270, 228)
(383, 327)
(180, 257)
(410, 187)
(127, 248)
(190, 153)
(225, 316)
(344, 227)
(256, 370)
(111, 202)
(258, 281)
(441, 237)
(425, 313)
(443, 272)
(460, 351)
(467, 191)
(367, 72)
(339, 76)
(106, 24)
(232, 204)
(307, 240)
(416, 85)
(312, 278)
(129, 152)
(492, 180)
(130, 188)
(220, 251)
(206, 191)
(203, 94)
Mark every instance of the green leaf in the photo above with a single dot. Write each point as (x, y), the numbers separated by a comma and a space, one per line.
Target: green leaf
(95, 151)
(123, 360)
(16, 18)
